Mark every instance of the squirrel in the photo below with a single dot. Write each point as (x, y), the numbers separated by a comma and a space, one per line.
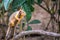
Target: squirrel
(14, 19)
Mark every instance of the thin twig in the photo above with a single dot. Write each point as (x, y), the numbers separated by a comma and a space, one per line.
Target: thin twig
(46, 3)
(48, 24)
(42, 7)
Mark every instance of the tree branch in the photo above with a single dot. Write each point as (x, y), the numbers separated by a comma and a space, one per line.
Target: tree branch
(43, 7)
(40, 32)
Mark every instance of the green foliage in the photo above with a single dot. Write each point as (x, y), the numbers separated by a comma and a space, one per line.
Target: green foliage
(30, 1)
(35, 22)
(17, 3)
(29, 28)
(1, 4)
(7, 3)
(28, 8)
(39, 1)
(28, 11)
(26, 5)
(28, 16)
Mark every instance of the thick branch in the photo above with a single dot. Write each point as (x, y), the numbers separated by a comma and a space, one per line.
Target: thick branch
(40, 32)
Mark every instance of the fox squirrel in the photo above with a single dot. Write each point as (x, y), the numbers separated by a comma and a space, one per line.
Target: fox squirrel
(14, 19)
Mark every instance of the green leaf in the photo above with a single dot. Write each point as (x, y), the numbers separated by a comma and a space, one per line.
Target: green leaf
(30, 1)
(31, 8)
(28, 11)
(29, 28)
(39, 1)
(1, 5)
(35, 22)
(17, 3)
(28, 16)
(7, 3)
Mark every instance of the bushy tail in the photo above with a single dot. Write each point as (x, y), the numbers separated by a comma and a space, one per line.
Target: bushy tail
(10, 33)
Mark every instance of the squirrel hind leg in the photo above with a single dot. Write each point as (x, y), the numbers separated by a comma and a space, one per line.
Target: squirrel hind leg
(10, 32)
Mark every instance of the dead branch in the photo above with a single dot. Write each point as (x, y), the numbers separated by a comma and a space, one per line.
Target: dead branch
(40, 32)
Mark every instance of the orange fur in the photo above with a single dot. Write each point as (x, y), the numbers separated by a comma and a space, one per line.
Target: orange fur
(14, 17)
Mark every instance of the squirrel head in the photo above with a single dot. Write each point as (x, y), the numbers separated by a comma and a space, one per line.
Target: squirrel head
(22, 12)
